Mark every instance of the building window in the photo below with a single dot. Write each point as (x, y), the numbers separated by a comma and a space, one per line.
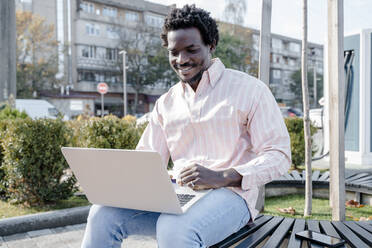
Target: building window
(111, 54)
(89, 51)
(99, 76)
(276, 43)
(110, 12)
(131, 16)
(111, 33)
(294, 47)
(276, 74)
(87, 7)
(292, 62)
(154, 20)
(92, 29)
(276, 58)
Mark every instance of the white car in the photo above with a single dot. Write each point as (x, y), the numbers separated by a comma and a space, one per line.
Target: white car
(37, 108)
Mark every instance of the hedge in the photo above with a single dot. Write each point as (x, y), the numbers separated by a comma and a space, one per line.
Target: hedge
(33, 163)
(33, 169)
(295, 128)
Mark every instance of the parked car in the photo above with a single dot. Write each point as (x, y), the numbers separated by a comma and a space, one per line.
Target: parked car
(291, 112)
(37, 108)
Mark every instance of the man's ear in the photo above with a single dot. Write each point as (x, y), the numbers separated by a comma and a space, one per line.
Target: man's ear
(212, 47)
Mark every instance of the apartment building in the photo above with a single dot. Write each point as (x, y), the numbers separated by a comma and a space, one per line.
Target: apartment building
(89, 31)
(88, 36)
(285, 58)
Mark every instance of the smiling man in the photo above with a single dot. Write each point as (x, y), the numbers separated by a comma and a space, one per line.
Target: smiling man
(223, 130)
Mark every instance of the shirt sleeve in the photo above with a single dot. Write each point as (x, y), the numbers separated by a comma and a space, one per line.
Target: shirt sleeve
(270, 141)
(153, 137)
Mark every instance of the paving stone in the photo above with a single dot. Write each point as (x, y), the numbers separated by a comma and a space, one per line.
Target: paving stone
(37, 233)
(18, 236)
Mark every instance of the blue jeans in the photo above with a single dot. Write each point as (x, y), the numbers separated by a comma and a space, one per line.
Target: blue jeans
(213, 218)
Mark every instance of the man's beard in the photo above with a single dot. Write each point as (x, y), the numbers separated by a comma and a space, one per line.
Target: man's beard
(195, 79)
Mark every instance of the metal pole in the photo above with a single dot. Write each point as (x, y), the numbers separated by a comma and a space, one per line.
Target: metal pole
(102, 105)
(124, 81)
(315, 86)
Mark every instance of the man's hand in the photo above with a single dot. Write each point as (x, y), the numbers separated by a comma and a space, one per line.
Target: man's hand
(198, 177)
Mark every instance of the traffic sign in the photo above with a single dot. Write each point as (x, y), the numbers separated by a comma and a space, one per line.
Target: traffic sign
(102, 88)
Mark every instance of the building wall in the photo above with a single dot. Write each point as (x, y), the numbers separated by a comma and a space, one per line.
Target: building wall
(7, 50)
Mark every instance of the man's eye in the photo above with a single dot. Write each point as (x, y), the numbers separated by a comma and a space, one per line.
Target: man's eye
(193, 51)
(173, 53)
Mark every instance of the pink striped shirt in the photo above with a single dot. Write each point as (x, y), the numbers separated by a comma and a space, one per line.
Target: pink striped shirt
(232, 120)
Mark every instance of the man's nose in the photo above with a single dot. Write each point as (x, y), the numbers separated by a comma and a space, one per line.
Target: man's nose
(182, 58)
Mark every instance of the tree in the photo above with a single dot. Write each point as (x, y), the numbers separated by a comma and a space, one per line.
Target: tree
(234, 12)
(236, 53)
(147, 60)
(296, 88)
(36, 55)
(307, 134)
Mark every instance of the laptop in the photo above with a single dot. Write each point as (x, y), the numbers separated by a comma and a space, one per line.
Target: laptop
(129, 179)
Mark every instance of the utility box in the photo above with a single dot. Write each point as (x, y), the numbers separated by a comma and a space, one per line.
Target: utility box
(358, 104)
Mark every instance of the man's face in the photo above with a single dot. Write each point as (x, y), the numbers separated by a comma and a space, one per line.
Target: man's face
(188, 55)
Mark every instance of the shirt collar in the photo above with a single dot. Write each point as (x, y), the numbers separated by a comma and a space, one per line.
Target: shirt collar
(215, 71)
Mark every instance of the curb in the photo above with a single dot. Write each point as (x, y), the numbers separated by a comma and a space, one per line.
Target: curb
(52, 219)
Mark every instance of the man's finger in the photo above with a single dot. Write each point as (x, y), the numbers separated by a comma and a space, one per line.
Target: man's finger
(190, 177)
(187, 168)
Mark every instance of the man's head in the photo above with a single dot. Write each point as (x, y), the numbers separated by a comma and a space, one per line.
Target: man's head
(190, 35)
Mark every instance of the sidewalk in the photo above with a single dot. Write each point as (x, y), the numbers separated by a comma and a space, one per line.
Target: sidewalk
(63, 237)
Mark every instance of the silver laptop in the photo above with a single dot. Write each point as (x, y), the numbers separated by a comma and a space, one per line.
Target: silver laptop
(128, 179)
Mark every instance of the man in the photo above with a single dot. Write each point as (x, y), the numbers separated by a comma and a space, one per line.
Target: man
(223, 130)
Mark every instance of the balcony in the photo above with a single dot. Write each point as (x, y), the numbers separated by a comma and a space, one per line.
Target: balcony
(92, 63)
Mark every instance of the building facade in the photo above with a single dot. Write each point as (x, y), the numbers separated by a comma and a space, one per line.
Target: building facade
(89, 32)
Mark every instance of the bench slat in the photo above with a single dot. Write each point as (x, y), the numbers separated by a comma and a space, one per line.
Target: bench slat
(296, 175)
(352, 239)
(356, 177)
(313, 225)
(298, 226)
(242, 233)
(254, 239)
(365, 225)
(279, 234)
(315, 176)
(330, 230)
(362, 233)
(324, 176)
(363, 179)
(288, 176)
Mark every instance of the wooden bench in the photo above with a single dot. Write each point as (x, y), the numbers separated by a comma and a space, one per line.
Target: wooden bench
(358, 185)
(270, 232)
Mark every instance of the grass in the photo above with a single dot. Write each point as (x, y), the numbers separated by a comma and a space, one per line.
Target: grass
(320, 208)
(11, 210)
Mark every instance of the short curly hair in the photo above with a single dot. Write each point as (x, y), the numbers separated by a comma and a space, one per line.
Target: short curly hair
(187, 17)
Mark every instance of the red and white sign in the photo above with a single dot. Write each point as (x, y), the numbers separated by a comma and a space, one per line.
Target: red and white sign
(102, 88)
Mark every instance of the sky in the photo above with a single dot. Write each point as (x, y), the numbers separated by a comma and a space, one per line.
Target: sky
(287, 15)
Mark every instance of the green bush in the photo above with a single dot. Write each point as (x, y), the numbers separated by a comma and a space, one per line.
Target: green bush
(6, 113)
(107, 132)
(9, 113)
(33, 162)
(295, 128)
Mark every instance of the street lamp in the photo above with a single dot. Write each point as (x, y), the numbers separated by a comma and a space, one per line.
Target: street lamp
(124, 81)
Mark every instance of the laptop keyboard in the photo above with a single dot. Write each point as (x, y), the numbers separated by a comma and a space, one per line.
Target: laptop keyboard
(184, 198)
